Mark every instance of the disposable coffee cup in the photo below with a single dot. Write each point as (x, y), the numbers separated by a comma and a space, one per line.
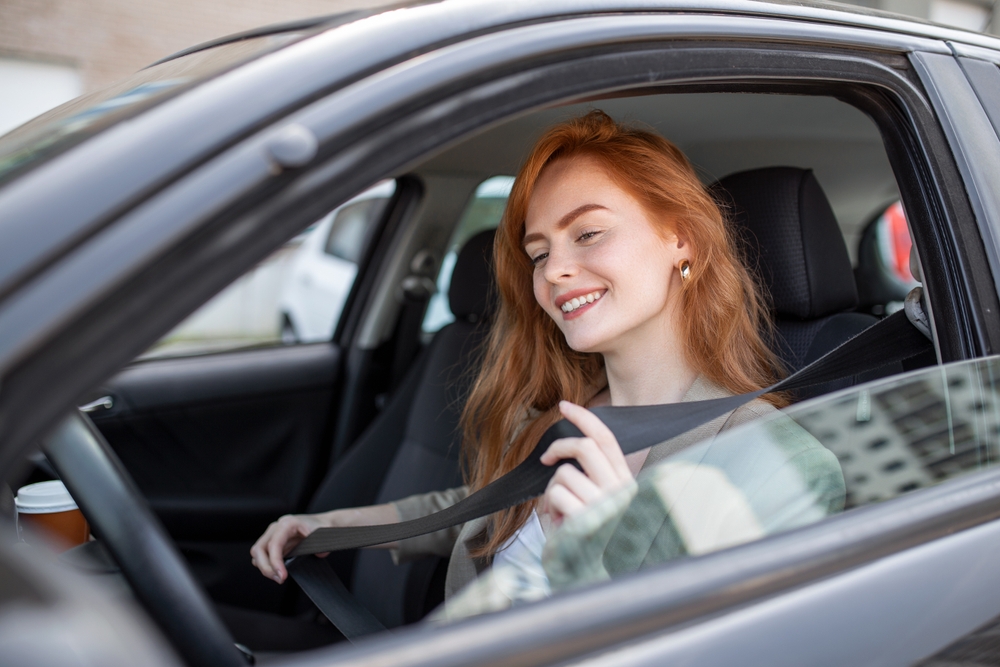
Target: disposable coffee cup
(47, 508)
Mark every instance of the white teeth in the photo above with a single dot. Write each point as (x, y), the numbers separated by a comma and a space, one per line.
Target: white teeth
(575, 303)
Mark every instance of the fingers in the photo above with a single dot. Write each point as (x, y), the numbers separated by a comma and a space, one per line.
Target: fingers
(605, 469)
(580, 486)
(595, 463)
(560, 502)
(268, 553)
(592, 427)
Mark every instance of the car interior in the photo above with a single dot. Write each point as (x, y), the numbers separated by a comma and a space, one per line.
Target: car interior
(224, 442)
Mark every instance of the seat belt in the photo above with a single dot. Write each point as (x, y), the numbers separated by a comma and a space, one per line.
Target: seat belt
(318, 580)
(889, 341)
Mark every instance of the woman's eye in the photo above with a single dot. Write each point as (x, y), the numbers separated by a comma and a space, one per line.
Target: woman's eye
(538, 258)
(586, 236)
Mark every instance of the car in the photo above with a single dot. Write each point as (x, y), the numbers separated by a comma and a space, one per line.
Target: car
(125, 211)
(324, 266)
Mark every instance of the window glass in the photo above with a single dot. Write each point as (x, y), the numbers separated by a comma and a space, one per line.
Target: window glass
(295, 295)
(350, 226)
(795, 467)
(74, 121)
(483, 212)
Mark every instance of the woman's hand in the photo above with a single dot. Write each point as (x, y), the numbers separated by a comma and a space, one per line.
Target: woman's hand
(604, 467)
(268, 553)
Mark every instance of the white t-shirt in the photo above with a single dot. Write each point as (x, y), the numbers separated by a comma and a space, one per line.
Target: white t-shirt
(519, 564)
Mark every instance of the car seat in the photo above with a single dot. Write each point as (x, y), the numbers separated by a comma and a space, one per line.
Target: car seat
(413, 445)
(790, 238)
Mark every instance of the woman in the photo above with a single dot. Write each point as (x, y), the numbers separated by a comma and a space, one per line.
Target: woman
(640, 297)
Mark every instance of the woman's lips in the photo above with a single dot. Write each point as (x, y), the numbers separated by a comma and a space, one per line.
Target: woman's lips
(574, 304)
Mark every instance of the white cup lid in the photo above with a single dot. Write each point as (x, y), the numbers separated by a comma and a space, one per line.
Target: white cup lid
(44, 498)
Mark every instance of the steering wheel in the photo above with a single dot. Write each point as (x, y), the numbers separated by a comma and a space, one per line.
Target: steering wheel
(160, 578)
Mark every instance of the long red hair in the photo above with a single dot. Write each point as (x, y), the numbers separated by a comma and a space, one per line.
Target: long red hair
(528, 367)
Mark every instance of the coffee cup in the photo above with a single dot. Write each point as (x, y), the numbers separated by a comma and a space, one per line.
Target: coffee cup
(49, 509)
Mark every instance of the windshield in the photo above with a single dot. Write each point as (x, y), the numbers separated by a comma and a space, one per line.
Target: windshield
(69, 124)
(791, 468)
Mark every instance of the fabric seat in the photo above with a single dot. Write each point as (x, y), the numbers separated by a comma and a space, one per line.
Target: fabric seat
(792, 241)
(413, 445)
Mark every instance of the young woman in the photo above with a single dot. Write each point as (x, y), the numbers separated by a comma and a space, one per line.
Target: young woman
(619, 284)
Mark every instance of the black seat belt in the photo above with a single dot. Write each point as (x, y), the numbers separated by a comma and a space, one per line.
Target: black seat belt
(889, 341)
(318, 580)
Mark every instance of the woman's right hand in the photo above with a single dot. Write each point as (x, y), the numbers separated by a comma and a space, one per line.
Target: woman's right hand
(268, 553)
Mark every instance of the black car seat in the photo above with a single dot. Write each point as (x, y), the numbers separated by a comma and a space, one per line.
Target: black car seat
(792, 241)
(413, 445)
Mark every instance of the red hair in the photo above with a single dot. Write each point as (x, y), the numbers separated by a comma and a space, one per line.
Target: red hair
(528, 367)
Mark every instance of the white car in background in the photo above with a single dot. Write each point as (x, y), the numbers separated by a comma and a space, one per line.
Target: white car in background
(325, 265)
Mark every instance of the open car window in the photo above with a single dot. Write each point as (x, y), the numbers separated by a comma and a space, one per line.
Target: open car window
(295, 295)
(788, 469)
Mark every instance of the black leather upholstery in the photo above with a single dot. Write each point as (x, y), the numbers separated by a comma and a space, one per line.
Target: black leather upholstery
(792, 241)
(470, 294)
(413, 446)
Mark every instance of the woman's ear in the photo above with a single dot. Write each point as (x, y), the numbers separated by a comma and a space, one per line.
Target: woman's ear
(680, 241)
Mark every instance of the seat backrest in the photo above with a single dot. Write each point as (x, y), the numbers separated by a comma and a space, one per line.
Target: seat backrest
(413, 445)
(791, 239)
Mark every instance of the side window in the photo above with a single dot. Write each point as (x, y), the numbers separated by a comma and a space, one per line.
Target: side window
(483, 212)
(295, 295)
(349, 228)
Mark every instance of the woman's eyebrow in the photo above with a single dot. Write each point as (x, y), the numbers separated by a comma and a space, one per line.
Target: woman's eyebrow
(565, 221)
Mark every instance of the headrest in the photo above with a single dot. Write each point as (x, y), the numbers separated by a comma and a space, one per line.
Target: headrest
(791, 238)
(471, 292)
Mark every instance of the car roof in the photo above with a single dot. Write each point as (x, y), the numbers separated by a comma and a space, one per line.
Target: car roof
(847, 14)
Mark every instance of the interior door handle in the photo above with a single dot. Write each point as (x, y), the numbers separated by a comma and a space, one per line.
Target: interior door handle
(103, 403)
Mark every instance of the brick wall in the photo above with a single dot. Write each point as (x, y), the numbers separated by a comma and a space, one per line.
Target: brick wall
(107, 40)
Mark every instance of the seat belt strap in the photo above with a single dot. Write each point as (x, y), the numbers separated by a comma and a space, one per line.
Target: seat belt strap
(318, 580)
(889, 341)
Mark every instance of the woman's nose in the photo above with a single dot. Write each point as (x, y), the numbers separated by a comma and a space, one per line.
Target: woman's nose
(560, 265)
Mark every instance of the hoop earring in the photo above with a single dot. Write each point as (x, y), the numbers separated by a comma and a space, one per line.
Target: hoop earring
(685, 268)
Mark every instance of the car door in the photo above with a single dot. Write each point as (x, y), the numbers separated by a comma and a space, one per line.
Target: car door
(224, 425)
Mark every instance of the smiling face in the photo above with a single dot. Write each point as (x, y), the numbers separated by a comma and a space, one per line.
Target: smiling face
(602, 269)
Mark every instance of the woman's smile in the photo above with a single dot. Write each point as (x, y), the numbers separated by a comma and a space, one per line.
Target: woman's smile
(576, 303)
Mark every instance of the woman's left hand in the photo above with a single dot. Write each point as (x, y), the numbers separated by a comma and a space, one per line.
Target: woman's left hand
(598, 453)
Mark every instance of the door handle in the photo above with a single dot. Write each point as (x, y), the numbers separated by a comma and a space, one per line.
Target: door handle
(103, 403)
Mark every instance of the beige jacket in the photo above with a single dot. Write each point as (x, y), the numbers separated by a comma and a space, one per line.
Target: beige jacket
(452, 542)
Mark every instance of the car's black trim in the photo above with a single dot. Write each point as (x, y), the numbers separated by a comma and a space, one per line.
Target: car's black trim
(972, 141)
(360, 385)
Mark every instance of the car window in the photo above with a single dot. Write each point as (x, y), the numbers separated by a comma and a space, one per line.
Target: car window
(483, 212)
(794, 467)
(350, 226)
(296, 295)
(71, 123)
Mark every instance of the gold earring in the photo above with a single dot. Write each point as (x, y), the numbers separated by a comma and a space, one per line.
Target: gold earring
(685, 268)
